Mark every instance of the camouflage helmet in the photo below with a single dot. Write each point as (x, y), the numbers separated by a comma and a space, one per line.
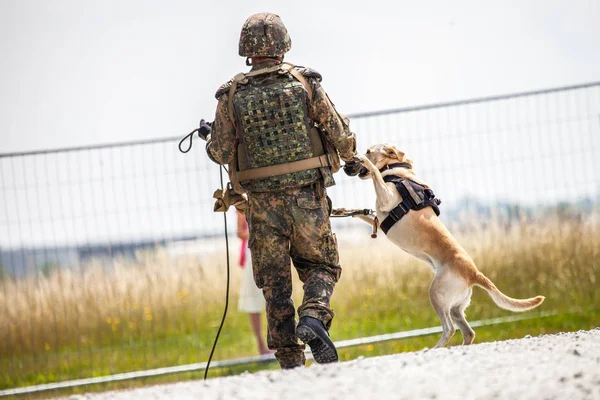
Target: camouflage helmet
(264, 35)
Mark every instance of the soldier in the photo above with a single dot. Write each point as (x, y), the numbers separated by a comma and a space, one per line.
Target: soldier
(282, 138)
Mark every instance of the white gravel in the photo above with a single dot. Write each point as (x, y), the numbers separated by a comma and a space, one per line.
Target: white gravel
(563, 366)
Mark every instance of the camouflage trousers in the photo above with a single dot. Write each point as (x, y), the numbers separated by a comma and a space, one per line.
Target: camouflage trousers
(292, 224)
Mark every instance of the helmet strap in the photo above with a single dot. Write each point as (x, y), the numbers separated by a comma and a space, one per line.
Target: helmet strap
(249, 60)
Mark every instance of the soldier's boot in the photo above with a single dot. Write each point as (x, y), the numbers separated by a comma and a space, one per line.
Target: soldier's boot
(312, 332)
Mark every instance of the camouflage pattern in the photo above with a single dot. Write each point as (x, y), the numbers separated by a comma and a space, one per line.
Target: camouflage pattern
(264, 35)
(221, 145)
(274, 123)
(335, 126)
(292, 223)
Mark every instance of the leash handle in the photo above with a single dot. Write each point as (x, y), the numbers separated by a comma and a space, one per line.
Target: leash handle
(189, 135)
(375, 225)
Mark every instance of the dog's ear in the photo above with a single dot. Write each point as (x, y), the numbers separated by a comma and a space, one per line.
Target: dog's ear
(395, 153)
(389, 151)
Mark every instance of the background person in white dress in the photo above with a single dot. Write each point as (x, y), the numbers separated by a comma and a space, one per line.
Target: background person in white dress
(251, 299)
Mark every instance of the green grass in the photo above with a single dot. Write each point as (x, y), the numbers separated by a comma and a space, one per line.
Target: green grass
(155, 313)
(547, 325)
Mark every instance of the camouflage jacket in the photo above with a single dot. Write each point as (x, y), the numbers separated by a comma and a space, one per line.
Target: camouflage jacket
(221, 144)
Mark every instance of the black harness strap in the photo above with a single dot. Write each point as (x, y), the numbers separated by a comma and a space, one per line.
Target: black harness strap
(414, 197)
(395, 165)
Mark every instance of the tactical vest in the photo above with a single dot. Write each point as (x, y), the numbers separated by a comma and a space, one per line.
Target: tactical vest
(278, 145)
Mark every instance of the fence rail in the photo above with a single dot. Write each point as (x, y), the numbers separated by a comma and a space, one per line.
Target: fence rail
(256, 359)
(351, 116)
(502, 147)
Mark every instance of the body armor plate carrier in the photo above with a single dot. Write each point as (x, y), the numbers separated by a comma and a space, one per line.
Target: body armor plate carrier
(414, 197)
(274, 124)
(278, 144)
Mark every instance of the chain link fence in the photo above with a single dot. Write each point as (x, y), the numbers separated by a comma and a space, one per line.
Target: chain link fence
(66, 212)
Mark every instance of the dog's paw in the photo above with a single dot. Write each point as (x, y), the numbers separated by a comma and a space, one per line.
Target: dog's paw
(360, 158)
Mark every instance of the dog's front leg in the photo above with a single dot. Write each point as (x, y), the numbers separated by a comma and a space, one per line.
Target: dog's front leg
(386, 197)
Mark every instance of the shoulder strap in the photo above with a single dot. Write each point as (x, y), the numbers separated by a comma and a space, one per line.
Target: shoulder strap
(291, 68)
(230, 100)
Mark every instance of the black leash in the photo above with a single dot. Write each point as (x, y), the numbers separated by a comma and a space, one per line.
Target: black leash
(228, 279)
(212, 352)
(189, 135)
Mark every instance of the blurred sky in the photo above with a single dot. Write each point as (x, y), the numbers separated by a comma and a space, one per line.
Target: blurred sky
(79, 72)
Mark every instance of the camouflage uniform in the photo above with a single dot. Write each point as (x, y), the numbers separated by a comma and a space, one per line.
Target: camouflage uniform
(288, 215)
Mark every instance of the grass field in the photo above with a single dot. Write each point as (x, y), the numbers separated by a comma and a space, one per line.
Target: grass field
(159, 312)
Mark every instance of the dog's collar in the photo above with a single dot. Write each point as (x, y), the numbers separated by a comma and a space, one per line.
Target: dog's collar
(395, 165)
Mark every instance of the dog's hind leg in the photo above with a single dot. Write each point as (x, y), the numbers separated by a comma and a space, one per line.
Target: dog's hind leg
(442, 309)
(458, 316)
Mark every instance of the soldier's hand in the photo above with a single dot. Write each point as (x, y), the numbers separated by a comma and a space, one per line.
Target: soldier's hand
(204, 129)
(352, 168)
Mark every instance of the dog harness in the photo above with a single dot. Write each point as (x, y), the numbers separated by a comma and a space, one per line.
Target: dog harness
(414, 197)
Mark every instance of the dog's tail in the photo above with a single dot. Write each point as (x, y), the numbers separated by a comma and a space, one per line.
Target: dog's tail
(502, 300)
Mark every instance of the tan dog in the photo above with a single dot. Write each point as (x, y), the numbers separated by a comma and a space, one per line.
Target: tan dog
(423, 235)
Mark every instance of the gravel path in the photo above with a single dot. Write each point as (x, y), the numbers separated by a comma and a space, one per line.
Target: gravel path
(563, 366)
